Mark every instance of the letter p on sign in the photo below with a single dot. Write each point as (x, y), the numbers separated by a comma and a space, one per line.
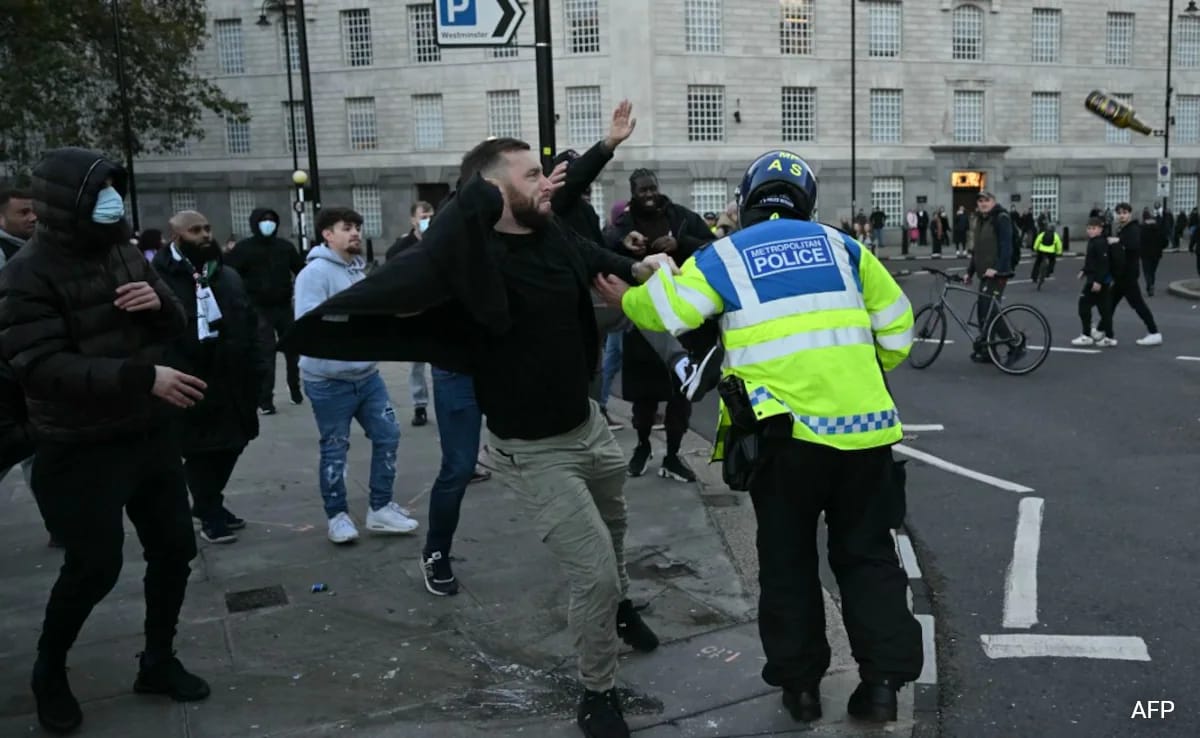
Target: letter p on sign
(458, 12)
(1152, 708)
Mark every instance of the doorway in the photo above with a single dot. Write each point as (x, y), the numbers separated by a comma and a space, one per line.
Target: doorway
(967, 186)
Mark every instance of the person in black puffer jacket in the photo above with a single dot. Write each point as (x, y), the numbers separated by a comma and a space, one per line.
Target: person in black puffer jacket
(84, 320)
(223, 351)
(268, 264)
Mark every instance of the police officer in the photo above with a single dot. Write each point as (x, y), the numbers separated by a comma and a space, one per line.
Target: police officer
(809, 319)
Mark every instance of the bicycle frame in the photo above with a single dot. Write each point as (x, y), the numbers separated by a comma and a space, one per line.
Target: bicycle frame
(944, 304)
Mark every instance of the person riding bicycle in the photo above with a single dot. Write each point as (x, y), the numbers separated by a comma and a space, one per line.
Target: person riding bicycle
(1048, 247)
(809, 319)
(992, 261)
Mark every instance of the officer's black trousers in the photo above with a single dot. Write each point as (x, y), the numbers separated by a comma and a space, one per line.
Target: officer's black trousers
(796, 483)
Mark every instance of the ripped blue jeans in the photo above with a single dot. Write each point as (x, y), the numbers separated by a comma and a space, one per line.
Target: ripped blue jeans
(335, 402)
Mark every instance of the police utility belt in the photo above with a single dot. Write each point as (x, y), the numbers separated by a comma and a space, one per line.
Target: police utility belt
(747, 436)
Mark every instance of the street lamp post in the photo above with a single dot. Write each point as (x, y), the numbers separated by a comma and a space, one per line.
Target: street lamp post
(306, 88)
(287, 52)
(126, 122)
(1191, 10)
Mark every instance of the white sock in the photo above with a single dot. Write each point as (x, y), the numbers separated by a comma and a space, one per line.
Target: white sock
(681, 369)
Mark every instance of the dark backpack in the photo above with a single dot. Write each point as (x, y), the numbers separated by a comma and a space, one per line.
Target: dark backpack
(1017, 238)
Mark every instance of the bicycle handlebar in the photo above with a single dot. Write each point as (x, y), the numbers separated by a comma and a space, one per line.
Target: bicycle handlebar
(962, 278)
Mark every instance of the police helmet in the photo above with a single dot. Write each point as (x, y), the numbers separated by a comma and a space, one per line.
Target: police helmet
(779, 182)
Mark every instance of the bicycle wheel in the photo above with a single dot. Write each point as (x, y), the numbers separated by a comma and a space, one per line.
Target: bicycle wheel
(929, 335)
(1018, 339)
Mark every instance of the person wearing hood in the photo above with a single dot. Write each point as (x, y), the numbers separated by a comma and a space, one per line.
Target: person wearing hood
(220, 346)
(84, 321)
(267, 264)
(341, 391)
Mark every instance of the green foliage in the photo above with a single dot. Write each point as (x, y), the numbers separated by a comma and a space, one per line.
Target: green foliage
(58, 77)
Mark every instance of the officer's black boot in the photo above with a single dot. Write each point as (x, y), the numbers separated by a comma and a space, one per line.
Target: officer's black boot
(874, 702)
(803, 702)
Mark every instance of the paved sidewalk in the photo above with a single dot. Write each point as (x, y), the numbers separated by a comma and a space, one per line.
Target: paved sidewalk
(376, 655)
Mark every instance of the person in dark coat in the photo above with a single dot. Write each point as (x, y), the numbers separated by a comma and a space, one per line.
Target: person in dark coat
(220, 346)
(420, 214)
(268, 264)
(654, 224)
(1152, 248)
(84, 320)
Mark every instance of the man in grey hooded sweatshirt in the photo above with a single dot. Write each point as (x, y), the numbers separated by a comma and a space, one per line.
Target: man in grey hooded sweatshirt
(344, 390)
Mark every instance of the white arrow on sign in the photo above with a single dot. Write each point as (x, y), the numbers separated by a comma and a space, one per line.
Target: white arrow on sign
(477, 22)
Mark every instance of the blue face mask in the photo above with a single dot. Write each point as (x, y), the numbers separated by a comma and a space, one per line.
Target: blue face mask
(267, 227)
(110, 208)
(423, 224)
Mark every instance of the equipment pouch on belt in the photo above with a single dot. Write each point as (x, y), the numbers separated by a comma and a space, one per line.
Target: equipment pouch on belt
(744, 440)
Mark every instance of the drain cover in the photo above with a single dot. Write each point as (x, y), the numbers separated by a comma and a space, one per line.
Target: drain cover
(253, 599)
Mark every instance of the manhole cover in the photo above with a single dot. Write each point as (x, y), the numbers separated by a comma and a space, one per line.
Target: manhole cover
(253, 599)
(720, 500)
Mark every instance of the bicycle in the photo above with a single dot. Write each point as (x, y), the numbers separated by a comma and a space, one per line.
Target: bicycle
(1042, 270)
(1003, 330)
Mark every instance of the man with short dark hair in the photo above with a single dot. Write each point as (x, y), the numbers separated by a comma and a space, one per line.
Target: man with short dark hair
(341, 391)
(420, 214)
(1128, 237)
(17, 222)
(991, 259)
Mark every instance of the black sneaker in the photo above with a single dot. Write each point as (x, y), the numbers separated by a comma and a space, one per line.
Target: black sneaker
(267, 410)
(703, 377)
(297, 396)
(57, 709)
(874, 702)
(641, 455)
(633, 630)
(600, 715)
(217, 530)
(167, 676)
(232, 522)
(803, 703)
(419, 417)
(674, 467)
(439, 577)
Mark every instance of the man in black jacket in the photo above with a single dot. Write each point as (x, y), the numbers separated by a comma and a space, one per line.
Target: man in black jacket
(220, 346)
(1126, 287)
(17, 221)
(268, 265)
(420, 215)
(83, 323)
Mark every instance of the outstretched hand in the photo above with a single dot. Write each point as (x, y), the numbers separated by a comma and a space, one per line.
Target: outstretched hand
(556, 180)
(622, 125)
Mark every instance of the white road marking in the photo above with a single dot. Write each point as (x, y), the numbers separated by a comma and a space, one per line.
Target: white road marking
(908, 556)
(1188, 358)
(929, 428)
(1020, 586)
(961, 470)
(948, 341)
(1028, 645)
(1068, 350)
(929, 668)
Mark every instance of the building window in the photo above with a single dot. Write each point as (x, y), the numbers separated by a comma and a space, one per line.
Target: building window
(799, 114)
(183, 200)
(968, 116)
(796, 27)
(356, 37)
(1118, 45)
(360, 119)
(583, 115)
(370, 206)
(885, 21)
(1188, 51)
(290, 45)
(967, 38)
(1047, 33)
(241, 203)
(429, 123)
(887, 194)
(422, 35)
(237, 136)
(1187, 119)
(583, 26)
(511, 51)
(706, 113)
(1044, 117)
(1115, 135)
(599, 203)
(293, 127)
(709, 195)
(1043, 196)
(504, 113)
(1183, 193)
(230, 54)
(1116, 189)
(887, 111)
(702, 26)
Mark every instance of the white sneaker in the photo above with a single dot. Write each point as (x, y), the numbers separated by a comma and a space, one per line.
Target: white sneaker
(1152, 339)
(342, 529)
(1083, 341)
(391, 518)
(1097, 334)
(1106, 342)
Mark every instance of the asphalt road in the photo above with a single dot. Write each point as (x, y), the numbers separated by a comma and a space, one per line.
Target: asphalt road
(1108, 441)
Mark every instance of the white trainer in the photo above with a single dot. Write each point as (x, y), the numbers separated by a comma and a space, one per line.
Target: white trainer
(1107, 342)
(1084, 341)
(1097, 334)
(1152, 339)
(391, 518)
(342, 529)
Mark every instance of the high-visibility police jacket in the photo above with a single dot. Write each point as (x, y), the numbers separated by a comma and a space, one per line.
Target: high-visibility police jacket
(807, 316)
(1055, 247)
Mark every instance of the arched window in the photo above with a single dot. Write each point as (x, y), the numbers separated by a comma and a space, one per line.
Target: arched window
(968, 33)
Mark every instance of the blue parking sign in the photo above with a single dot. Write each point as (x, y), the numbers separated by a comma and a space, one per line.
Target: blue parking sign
(457, 12)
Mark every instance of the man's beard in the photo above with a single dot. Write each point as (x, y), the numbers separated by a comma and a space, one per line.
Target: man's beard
(354, 249)
(525, 211)
(199, 252)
